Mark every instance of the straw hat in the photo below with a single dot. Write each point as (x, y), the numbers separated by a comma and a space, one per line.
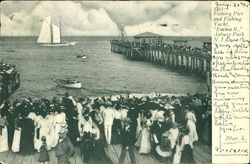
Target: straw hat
(164, 149)
(162, 152)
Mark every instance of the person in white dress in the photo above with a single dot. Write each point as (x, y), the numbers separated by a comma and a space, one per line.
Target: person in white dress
(4, 146)
(17, 134)
(191, 120)
(79, 107)
(51, 118)
(144, 139)
(37, 141)
(45, 129)
(177, 151)
(59, 120)
(108, 117)
(173, 134)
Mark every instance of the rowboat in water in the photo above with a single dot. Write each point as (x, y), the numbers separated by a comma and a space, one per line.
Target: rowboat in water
(68, 83)
(81, 56)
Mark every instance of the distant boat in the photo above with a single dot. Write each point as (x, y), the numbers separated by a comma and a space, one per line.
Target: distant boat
(68, 83)
(81, 56)
(51, 34)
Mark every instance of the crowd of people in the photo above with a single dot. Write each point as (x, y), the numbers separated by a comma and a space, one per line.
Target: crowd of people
(173, 48)
(187, 50)
(164, 125)
(9, 80)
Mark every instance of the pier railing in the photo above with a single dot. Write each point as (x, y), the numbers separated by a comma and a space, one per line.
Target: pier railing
(181, 58)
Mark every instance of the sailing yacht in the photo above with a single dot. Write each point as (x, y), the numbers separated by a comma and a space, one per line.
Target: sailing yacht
(51, 34)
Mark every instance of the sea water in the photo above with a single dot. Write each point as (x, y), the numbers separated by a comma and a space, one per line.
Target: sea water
(101, 73)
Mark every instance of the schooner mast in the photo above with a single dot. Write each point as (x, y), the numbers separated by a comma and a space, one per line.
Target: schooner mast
(51, 34)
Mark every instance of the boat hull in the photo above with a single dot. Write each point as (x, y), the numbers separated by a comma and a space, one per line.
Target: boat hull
(77, 85)
(60, 44)
(81, 57)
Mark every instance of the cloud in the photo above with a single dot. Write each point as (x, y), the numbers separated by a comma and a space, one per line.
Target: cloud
(101, 18)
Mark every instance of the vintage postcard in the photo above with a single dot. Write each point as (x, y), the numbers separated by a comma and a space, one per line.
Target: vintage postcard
(120, 82)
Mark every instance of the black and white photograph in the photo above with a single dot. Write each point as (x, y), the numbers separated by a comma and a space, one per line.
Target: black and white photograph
(105, 82)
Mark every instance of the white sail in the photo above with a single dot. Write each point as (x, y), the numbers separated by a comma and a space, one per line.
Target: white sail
(56, 34)
(45, 33)
(50, 34)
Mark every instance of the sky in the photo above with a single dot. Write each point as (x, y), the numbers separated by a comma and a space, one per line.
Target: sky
(101, 18)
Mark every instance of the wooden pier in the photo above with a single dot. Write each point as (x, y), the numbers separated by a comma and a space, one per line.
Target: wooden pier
(180, 57)
(181, 60)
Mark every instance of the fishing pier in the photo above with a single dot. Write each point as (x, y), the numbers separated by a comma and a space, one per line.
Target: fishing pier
(177, 55)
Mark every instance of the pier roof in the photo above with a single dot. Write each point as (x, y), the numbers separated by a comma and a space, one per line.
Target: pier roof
(147, 34)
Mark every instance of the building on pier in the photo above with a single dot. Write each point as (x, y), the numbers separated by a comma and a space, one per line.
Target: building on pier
(149, 47)
(148, 38)
(207, 46)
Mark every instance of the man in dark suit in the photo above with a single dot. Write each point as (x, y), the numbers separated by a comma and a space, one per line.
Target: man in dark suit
(161, 125)
(157, 129)
(128, 141)
(69, 103)
(71, 115)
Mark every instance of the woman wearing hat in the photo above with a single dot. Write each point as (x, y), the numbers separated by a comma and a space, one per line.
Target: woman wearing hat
(27, 134)
(3, 133)
(191, 120)
(59, 119)
(37, 141)
(173, 134)
(144, 139)
(163, 150)
(17, 134)
(45, 129)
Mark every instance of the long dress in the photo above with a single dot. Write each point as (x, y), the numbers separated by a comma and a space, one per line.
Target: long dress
(191, 120)
(27, 135)
(59, 120)
(173, 136)
(45, 130)
(52, 130)
(37, 141)
(4, 145)
(17, 136)
(177, 155)
(144, 139)
(185, 141)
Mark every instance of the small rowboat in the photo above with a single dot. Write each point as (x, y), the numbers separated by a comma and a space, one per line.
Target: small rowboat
(68, 83)
(81, 56)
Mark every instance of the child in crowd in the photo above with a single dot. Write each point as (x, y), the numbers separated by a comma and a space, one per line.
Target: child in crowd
(44, 155)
